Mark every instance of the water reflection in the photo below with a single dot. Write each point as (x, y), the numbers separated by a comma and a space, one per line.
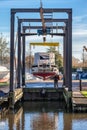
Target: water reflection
(42, 116)
(45, 121)
(15, 119)
(11, 120)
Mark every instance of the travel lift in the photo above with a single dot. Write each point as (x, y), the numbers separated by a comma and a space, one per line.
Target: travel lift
(67, 40)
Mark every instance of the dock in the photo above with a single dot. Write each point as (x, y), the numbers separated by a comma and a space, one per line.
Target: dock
(79, 101)
(47, 94)
(74, 100)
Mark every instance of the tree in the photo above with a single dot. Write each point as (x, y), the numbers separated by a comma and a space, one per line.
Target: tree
(29, 61)
(58, 57)
(4, 50)
(75, 62)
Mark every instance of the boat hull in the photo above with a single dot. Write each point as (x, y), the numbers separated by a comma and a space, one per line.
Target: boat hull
(44, 75)
(4, 77)
(4, 80)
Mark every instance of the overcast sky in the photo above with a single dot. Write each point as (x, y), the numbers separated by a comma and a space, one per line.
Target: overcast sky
(79, 28)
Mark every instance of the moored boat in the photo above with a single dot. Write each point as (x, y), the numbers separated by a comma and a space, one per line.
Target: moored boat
(4, 74)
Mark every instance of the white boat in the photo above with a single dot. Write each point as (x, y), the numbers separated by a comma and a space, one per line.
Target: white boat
(44, 65)
(4, 74)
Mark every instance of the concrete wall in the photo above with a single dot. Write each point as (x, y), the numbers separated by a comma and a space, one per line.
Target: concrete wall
(42, 94)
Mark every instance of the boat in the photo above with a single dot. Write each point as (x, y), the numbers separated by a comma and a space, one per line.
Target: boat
(44, 65)
(4, 74)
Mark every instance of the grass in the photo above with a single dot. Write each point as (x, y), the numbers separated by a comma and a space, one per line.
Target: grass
(84, 93)
(4, 84)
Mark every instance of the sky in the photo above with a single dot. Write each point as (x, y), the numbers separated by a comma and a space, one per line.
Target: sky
(79, 23)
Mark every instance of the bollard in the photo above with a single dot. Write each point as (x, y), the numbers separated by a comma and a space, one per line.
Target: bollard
(80, 85)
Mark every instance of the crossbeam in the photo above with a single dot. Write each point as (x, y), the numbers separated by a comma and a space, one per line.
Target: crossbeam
(32, 34)
(45, 10)
(40, 27)
(44, 43)
(46, 20)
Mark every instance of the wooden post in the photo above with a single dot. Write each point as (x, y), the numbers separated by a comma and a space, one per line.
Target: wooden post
(11, 100)
(80, 84)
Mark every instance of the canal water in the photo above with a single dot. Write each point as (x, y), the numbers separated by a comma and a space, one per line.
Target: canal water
(40, 84)
(42, 116)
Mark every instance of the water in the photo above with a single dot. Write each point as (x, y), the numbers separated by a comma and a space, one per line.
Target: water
(48, 84)
(39, 84)
(42, 116)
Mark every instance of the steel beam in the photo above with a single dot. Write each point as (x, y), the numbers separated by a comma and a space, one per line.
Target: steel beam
(70, 51)
(19, 55)
(44, 44)
(46, 20)
(66, 65)
(40, 27)
(45, 10)
(12, 53)
(23, 59)
(32, 34)
(64, 57)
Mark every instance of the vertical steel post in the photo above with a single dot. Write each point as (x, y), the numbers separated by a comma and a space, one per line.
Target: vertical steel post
(70, 50)
(12, 52)
(19, 54)
(23, 59)
(64, 56)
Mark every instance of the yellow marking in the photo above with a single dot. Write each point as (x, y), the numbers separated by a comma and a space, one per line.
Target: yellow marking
(45, 43)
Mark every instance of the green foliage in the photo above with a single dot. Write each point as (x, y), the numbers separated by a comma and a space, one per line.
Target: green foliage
(84, 93)
(4, 50)
(4, 84)
(58, 57)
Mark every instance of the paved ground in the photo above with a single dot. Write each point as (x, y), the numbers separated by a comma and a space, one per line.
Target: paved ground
(78, 98)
